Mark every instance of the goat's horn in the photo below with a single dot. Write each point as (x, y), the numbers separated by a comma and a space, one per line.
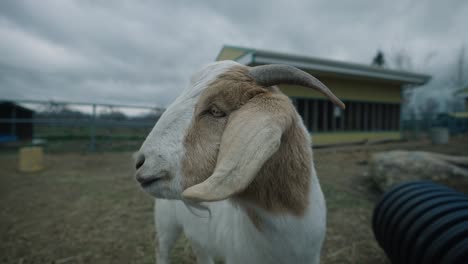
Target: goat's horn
(273, 74)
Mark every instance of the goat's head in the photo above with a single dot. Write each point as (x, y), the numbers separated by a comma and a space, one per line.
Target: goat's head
(215, 138)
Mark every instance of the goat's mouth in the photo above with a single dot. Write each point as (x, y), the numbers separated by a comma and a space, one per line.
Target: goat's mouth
(147, 181)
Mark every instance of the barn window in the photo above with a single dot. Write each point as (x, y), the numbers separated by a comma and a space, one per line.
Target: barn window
(321, 115)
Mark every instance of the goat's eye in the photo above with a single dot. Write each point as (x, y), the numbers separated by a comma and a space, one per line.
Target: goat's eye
(214, 111)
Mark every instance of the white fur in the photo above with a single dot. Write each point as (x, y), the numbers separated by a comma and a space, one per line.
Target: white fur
(225, 231)
(163, 147)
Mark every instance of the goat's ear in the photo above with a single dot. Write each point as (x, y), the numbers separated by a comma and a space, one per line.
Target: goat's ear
(253, 133)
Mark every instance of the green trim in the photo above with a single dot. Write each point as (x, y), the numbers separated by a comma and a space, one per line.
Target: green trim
(353, 132)
(402, 96)
(344, 137)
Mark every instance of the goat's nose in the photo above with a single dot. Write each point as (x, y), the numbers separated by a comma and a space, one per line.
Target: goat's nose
(140, 160)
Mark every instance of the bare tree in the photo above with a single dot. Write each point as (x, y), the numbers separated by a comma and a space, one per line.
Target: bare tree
(460, 78)
(428, 109)
(457, 81)
(402, 60)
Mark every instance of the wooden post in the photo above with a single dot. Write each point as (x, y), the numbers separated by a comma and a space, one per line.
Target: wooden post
(388, 108)
(316, 115)
(396, 121)
(384, 116)
(92, 146)
(333, 118)
(366, 116)
(357, 122)
(373, 117)
(398, 117)
(349, 115)
(306, 114)
(13, 121)
(342, 120)
(325, 115)
(379, 116)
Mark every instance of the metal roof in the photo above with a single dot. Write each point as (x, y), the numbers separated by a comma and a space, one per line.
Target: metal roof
(10, 104)
(319, 66)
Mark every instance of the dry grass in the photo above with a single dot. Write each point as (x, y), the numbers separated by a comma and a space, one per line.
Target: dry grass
(87, 209)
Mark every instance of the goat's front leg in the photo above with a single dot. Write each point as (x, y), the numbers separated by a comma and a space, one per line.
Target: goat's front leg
(202, 256)
(167, 232)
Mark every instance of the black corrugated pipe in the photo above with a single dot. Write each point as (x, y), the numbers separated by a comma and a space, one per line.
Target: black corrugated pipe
(422, 222)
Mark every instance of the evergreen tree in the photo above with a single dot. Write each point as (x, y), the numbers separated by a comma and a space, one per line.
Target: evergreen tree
(379, 59)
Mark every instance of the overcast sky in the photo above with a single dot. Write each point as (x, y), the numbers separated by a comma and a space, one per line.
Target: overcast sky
(143, 52)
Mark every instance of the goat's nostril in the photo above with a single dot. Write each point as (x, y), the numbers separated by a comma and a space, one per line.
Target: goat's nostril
(140, 160)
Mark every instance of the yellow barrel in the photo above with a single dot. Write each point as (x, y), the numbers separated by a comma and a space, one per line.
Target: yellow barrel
(31, 159)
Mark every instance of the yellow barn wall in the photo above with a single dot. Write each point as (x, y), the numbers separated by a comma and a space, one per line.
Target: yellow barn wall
(229, 54)
(350, 90)
(342, 137)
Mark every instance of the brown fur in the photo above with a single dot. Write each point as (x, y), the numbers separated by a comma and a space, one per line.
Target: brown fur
(254, 217)
(282, 185)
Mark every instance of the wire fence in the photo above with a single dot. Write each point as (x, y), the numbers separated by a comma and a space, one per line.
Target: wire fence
(75, 126)
(89, 127)
(415, 129)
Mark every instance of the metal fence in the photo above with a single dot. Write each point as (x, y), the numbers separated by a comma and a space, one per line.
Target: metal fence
(414, 129)
(75, 126)
(89, 127)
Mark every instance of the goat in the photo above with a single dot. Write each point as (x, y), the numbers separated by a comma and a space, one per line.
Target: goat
(231, 166)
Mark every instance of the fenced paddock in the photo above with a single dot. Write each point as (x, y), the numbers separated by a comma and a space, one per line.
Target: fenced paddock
(79, 127)
(414, 129)
(87, 208)
(90, 127)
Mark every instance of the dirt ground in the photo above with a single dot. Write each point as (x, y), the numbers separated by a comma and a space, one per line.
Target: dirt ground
(86, 208)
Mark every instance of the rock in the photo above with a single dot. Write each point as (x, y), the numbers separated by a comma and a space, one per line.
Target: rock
(393, 167)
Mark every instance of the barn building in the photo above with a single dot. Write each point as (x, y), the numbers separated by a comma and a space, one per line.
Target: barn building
(372, 95)
(10, 127)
